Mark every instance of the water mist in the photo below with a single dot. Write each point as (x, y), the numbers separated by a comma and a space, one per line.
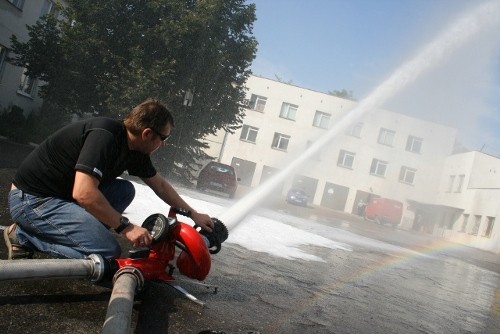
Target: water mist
(455, 36)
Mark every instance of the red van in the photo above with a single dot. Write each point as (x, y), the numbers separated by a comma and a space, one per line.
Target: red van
(384, 211)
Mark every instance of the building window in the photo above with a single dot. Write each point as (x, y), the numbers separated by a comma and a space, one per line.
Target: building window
(288, 111)
(3, 54)
(489, 227)
(378, 167)
(386, 137)
(321, 120)
(465, 221)
(18, 3)
(249, 133)
(346, 159)
(257, 102)
(280, 141)
(355, 131)
(48, 8)
(477, 223)
(27, 85)
(460, 183)
(414, 144)
(407, 175)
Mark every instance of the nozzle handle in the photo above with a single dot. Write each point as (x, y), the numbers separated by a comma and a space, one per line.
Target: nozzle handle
(182, 211)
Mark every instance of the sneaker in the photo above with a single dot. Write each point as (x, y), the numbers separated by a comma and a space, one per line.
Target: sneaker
(16, 251)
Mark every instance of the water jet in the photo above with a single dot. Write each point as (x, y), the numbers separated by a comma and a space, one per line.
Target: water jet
(431, 54)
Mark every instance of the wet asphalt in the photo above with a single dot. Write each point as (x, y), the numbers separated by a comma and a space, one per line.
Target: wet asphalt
(371, 289)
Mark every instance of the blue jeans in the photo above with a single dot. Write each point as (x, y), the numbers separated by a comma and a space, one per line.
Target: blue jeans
(62, 228)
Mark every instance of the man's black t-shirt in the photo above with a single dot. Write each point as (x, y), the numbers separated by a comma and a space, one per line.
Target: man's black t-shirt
(97, 146)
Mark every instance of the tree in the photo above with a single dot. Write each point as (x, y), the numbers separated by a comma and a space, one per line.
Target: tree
(344, 94)
(104, 57)
(280, 79)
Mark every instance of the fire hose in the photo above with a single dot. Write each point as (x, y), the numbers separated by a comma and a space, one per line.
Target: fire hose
(126, 282)
(94, 268)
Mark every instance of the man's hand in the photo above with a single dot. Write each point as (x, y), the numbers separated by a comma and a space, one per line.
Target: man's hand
(202, 220)
(138, 236)
(167, 193)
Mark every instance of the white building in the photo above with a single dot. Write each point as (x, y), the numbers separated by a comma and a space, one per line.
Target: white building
(17, 89)
(382, 154)
(469, 201)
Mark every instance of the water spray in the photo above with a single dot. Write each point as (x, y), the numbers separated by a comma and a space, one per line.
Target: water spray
(459, 32)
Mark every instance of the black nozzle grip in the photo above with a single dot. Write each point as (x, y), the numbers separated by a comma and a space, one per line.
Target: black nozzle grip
(182, 211)
(139, 253)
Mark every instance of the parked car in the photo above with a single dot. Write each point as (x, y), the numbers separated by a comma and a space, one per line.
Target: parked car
(384, 211)
(218, 177)
(297, 197)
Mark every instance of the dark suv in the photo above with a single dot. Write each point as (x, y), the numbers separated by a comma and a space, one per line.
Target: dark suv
(218, 177)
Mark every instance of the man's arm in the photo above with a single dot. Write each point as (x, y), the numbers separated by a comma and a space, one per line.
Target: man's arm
(164, 190)
(87, 194)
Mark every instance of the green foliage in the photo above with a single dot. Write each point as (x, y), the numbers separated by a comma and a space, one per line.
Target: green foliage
(35, 128)
(280, 79)
(42, 52)
(105, 57)
(40, 125)
(12, 122)
(344, 94)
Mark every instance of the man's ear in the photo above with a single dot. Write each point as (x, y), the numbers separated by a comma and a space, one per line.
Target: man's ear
(146, 133)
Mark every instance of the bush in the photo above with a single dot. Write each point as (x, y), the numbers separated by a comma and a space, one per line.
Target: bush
(12, 124)
(35, 128)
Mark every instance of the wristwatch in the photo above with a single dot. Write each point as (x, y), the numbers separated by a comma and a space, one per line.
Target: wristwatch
(124, 222)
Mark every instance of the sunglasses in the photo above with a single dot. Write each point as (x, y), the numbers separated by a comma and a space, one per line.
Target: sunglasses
(162, 136)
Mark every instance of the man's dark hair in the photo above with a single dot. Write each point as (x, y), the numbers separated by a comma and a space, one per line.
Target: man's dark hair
(149, 114)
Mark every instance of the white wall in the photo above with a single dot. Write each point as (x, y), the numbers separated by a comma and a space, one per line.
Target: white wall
(437, 144)
(479, 196)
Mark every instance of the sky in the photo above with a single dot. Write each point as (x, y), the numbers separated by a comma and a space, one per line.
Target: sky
(328, 45)
(278, 236)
